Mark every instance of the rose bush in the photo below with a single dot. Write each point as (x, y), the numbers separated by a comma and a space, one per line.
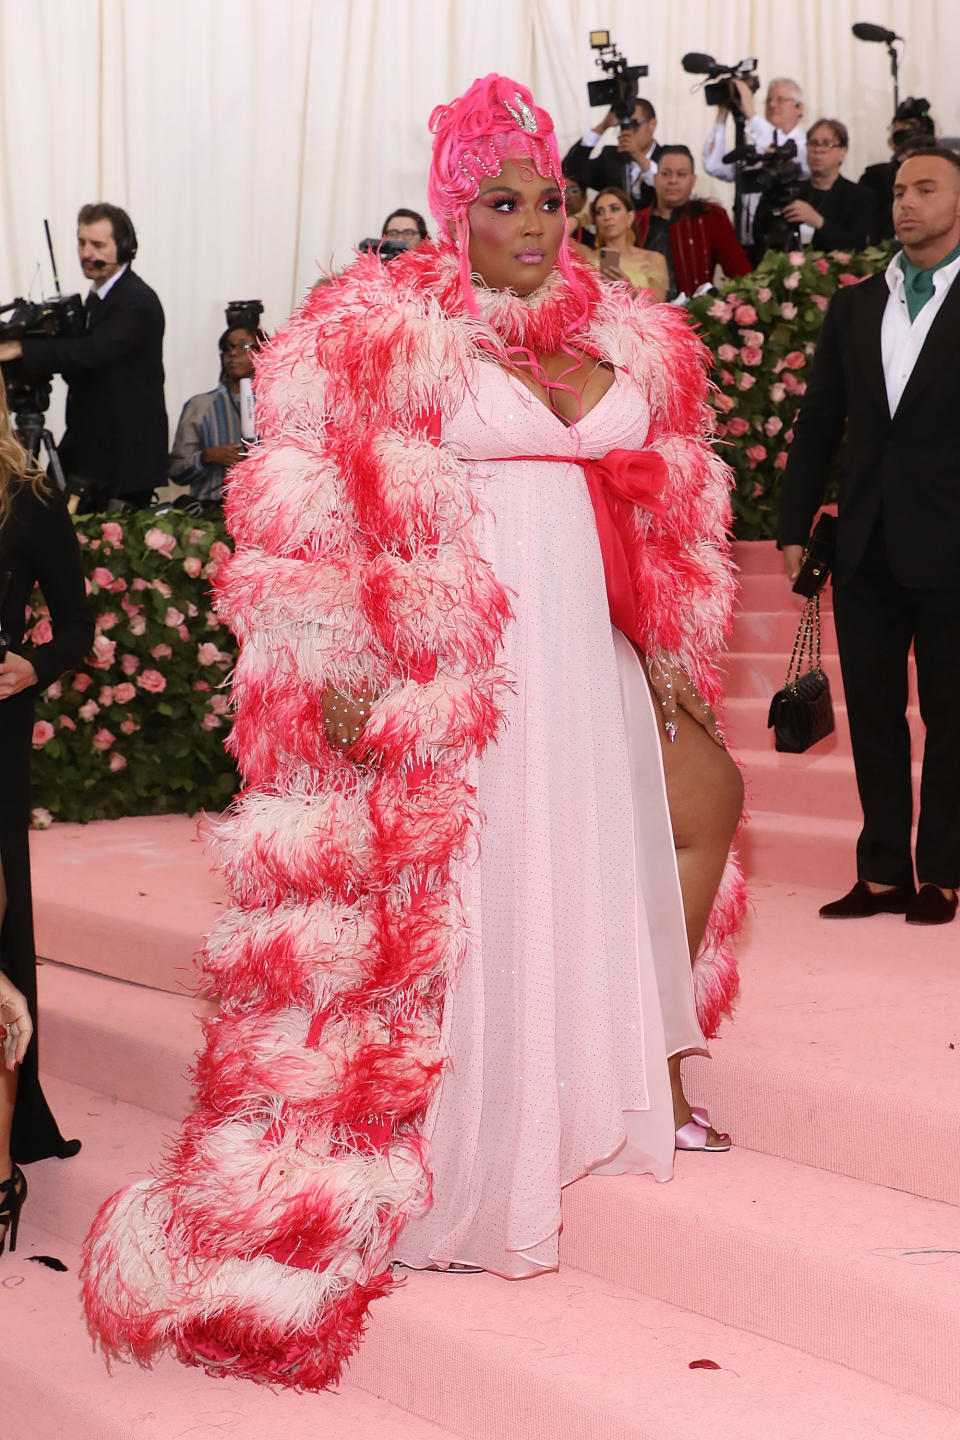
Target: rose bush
(138, 729)
(763, 330)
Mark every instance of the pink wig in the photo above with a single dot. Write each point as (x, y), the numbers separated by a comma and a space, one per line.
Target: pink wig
(495, 120)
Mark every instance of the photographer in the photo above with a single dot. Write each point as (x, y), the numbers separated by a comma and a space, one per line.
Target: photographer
(780, 122)
(115, 444)
(208, 439)
(406, 227)
(694, 236)
(911, 129)
(630, 164)
(832, 212)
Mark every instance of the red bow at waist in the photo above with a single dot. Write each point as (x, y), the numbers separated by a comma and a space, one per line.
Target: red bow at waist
(617, 482)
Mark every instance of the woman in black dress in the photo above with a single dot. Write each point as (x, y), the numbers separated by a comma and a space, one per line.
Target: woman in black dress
(37, 546)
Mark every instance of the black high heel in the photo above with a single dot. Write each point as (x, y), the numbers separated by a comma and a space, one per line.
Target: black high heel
(13, 1192)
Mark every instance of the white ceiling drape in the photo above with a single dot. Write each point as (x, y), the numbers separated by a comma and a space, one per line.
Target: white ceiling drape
(252, 140)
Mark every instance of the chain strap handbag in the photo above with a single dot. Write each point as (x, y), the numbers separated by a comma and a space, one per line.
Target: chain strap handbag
(802, 712)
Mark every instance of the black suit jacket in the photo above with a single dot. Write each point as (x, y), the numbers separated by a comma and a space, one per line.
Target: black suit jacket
(116, 432)
(849, 215)
(607, 168)
(905, 468)
(879, 180)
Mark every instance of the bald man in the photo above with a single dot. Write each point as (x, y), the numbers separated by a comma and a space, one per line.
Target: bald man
(886, 376)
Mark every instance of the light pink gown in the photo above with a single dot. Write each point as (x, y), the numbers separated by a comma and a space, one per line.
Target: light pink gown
(576, 983)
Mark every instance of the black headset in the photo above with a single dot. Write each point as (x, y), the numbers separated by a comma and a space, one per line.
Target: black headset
(124, 234)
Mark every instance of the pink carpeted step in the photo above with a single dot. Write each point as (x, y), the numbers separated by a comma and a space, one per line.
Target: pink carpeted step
(854, 1273)
(799, 849)
(566, 1356)
(763, 591)
(745, 722)
(775, 630)
(758, 674)
(129, 897)
(819, 783)
(757, 557)
(55, 1387)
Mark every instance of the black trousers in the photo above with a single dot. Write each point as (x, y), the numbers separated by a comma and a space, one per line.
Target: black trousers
(877, 619)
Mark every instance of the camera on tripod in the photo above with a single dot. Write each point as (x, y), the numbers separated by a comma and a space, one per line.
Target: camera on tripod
(28, 399)
(721, 89)
(777, 176)
(619, 91)
(244, 315)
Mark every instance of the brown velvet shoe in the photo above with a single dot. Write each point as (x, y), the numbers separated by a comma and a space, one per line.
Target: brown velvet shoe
(861, 901)
(931, 907)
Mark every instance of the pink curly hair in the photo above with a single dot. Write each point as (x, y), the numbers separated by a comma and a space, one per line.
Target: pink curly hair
(495, 120)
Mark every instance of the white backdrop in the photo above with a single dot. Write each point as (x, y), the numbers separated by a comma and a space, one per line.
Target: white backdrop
(252, 140)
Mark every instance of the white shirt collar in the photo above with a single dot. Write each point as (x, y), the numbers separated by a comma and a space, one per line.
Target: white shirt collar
(942, 278)
(107, 285)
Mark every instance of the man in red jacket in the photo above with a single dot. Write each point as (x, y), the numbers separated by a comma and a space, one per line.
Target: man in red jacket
(694, 236)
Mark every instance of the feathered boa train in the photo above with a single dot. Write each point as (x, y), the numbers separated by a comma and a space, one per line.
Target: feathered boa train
(259, 1243)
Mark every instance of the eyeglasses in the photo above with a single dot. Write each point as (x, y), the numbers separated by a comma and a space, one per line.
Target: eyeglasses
(237, 349)
(392, 234)
(824, 145)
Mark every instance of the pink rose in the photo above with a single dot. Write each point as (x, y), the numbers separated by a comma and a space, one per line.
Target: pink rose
(128, 726)
(777, 393)
(118, 586)
(781, 461)
(196, 537)
(746, 382)
(847, 279)
(103, 740)
(201, 685)
(756, 453)
(106, 621)
(193, 565)
(40, 819)
(173, 617)
(795, 360)
(790, 382)
(102, 577)
(124, 692)
(88, 709)
(192, 610)
(754, 338)
(42, 633)
(208, 654)
(726, 378)
(140, 584)
(750, 355)
(130, 664)
(104, 651)
(153, 681)
(218, 553)
(106, 695)
(117, 762)
(112, 532)
(796, 257)
(772, 425)
(220, 704)
(757, 490)
(822, 265)
(738, 426)
(727, 353)
(65, 722)
(820, 301)
(82, 539)
(745, 315)
(791, 281)
(162, 588)
(763, 294)
(184, 633)
(54, 691)
(842, 256)
(724, 403)
(161, 652)
(42, 732)
(210, 722)
(137, 625)
(788, 310)
(160, 541)
(720, 429)
(802, 388)
(82, 682)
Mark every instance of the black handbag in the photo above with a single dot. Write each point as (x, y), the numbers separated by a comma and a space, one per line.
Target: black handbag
(817, 558)
(802, 712)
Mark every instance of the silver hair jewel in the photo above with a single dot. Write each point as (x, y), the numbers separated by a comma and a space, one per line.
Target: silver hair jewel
(523, 115)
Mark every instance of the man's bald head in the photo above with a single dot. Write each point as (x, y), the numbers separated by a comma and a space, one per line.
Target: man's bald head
(926, 205)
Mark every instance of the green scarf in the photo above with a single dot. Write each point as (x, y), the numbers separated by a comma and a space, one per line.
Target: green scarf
(918, 284)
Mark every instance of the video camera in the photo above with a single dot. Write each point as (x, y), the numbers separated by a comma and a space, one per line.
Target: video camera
(244, 315)
(29, 399)
(722, 90)
(386, 249)
(777, 176)
(619, 91)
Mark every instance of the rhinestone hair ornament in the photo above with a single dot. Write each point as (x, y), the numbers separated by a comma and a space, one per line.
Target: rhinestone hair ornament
(495, 120)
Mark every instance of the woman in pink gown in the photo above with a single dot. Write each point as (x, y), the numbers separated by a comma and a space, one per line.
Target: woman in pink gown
(455, 976)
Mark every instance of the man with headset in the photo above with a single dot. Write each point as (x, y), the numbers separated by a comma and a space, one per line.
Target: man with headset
(114, 450)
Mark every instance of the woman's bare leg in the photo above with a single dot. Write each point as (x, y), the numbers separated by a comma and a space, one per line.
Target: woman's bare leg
(705, 794)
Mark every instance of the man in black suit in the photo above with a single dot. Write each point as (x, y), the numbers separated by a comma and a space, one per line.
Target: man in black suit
(837, 214)
(887, 375)
(115, 444)
(631, 163)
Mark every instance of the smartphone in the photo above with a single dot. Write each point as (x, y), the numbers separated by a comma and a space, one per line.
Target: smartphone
(609, 257)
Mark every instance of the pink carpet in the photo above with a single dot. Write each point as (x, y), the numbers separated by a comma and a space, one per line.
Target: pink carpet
(817, 1265)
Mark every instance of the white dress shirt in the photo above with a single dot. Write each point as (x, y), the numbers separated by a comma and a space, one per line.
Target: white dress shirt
(103, 290)
(901, 342)
(633, 174)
